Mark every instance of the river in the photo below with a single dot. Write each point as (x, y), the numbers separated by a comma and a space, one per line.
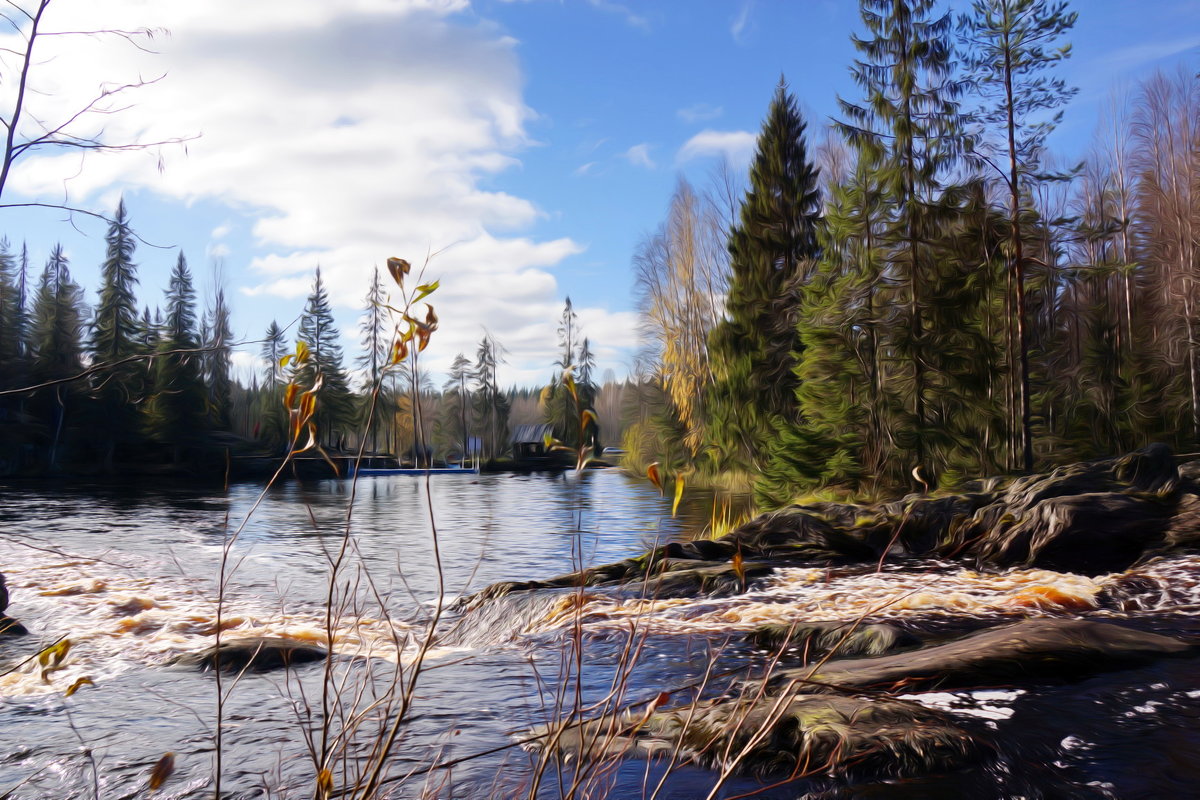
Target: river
(131, 578)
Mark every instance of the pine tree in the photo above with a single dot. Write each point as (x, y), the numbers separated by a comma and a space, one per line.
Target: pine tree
(558, 404)
(490, 403)
(118, 389)
(772, 252)
(456, 387)
(318, 331)
(1010, 45)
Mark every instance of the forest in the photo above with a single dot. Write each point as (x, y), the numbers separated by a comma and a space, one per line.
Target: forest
(928, 294)
(918, 293)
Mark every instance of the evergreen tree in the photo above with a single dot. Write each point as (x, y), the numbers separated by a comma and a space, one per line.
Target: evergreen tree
(118, 389)
(176, 414)
(772, 252)
(907, 125)
(10, 326)
(216, 334)
(373, 359)
(317, 330)
(585, 387)
(491, 404)
(1010, 45)
(270, 396)
(56, 339)
(456, 387)
(559, 406)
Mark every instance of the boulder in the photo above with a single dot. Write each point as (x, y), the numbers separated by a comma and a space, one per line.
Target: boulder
(784, 735)
(1091, 518)
(815, 639)
(8, 625)
(257, 654)
(1030, 651)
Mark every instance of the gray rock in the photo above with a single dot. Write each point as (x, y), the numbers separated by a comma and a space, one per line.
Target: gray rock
(1030, 651)
(257, 654)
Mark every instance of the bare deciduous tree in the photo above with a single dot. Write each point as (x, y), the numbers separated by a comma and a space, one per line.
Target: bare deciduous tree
(28, 129)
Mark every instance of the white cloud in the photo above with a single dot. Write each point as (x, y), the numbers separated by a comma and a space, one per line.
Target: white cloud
(344, 132)
(742, 24)
(631, 18)
(639, 156)
(737, 146)
(700, 112)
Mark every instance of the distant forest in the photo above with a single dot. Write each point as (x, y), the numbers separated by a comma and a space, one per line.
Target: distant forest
(928, 294)
(109, 389)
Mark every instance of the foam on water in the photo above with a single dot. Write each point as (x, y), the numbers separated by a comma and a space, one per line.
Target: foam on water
(117, 619)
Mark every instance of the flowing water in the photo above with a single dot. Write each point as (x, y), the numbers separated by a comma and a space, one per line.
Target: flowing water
(130, 579)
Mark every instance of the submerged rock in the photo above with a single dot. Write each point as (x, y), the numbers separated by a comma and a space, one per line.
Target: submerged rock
(791, 735)
(1030, 651)
(257, 654)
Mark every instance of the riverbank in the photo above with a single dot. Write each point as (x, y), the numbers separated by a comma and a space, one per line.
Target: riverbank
(822, 709)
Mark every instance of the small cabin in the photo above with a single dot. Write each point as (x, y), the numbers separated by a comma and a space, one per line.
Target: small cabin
(529, 445)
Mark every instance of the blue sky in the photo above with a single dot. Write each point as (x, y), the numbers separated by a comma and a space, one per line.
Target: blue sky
(531, 144)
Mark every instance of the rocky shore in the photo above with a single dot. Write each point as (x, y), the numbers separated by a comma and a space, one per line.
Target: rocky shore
(832, 704)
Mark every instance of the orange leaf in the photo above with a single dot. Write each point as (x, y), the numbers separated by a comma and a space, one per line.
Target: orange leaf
(162, 770)
(399, 351)
(653, 474)
(77, 685)
(325, 782)
(739, 566)
(289, 395)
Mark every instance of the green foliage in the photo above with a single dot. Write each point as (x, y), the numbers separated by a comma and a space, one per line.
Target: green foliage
(334, 410)
(116, 330)
(772, 254)
(175, 413)
(491, 405)
(12, 334)
(215, 337)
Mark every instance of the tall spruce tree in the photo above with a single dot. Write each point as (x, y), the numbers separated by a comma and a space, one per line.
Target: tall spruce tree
(318, 331)
(118, 388)
(772, 249)
(175, 415)
(908, 125)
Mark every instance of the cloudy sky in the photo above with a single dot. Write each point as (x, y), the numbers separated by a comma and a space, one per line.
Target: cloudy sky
(525, 148)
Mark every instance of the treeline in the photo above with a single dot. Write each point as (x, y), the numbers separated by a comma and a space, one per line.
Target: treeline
(108, 388)
(926, 296)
